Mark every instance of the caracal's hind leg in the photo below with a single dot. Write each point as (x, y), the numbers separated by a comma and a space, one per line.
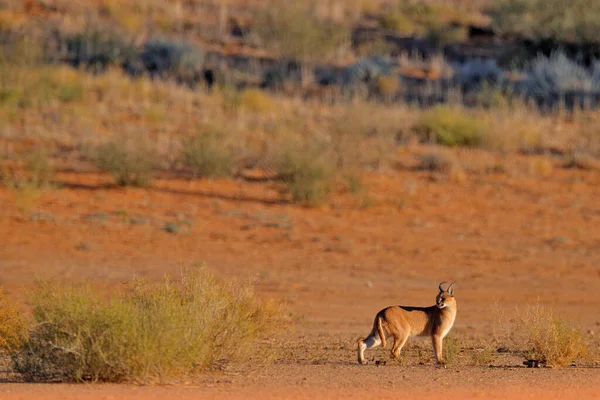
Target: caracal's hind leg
(371, 341)
(399, 342)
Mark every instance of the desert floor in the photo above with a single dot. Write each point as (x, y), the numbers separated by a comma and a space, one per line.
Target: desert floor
(508, 239)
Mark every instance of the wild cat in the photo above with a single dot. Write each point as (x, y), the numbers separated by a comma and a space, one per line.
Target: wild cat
(400, 322)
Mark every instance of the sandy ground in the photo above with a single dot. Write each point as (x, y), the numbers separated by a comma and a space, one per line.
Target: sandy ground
(507, 239)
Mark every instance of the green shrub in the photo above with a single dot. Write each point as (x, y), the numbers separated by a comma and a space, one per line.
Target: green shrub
(13, 330)
(128, 166)
(449, 126)
(207, 156)
(397, 21)
(307, 174)
(546, 337)
(151, 331)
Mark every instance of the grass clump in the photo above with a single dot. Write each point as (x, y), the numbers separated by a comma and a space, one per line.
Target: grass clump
(151, 331)
(307, 174)
(128, 166)
(207, 155)
(449, 126)
(13, 329)
(544, 336)
(36, 172)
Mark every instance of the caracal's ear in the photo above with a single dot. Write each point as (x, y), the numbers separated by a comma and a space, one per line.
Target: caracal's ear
(451, 289)
(441, 288)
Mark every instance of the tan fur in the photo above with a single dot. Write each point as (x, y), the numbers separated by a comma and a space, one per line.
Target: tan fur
(400, 322)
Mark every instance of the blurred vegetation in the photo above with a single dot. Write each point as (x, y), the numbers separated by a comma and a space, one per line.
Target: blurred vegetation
(576, 20)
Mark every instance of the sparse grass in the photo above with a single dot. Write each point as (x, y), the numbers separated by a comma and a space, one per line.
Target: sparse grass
(483, 354)
(129, 165)
(13, 329)
(449, 126)
(152, 331)
(544, 336)
(452, 348)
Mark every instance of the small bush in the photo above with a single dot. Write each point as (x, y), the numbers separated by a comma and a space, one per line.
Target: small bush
(449, 126)
(558, 74)
(151, 331)
(37, 173)
(307, 174)
(98, 47)
(435, 161)
(546, 337)
(127, 166)
(175, 59)
(13, 329)
(208, 156)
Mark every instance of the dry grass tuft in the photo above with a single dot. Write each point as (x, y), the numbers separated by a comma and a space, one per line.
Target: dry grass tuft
(544, 336)
(152, 331)
(449, 126)
(13, 329)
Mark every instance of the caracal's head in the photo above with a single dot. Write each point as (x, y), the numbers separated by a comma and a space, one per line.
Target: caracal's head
(445, 298)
